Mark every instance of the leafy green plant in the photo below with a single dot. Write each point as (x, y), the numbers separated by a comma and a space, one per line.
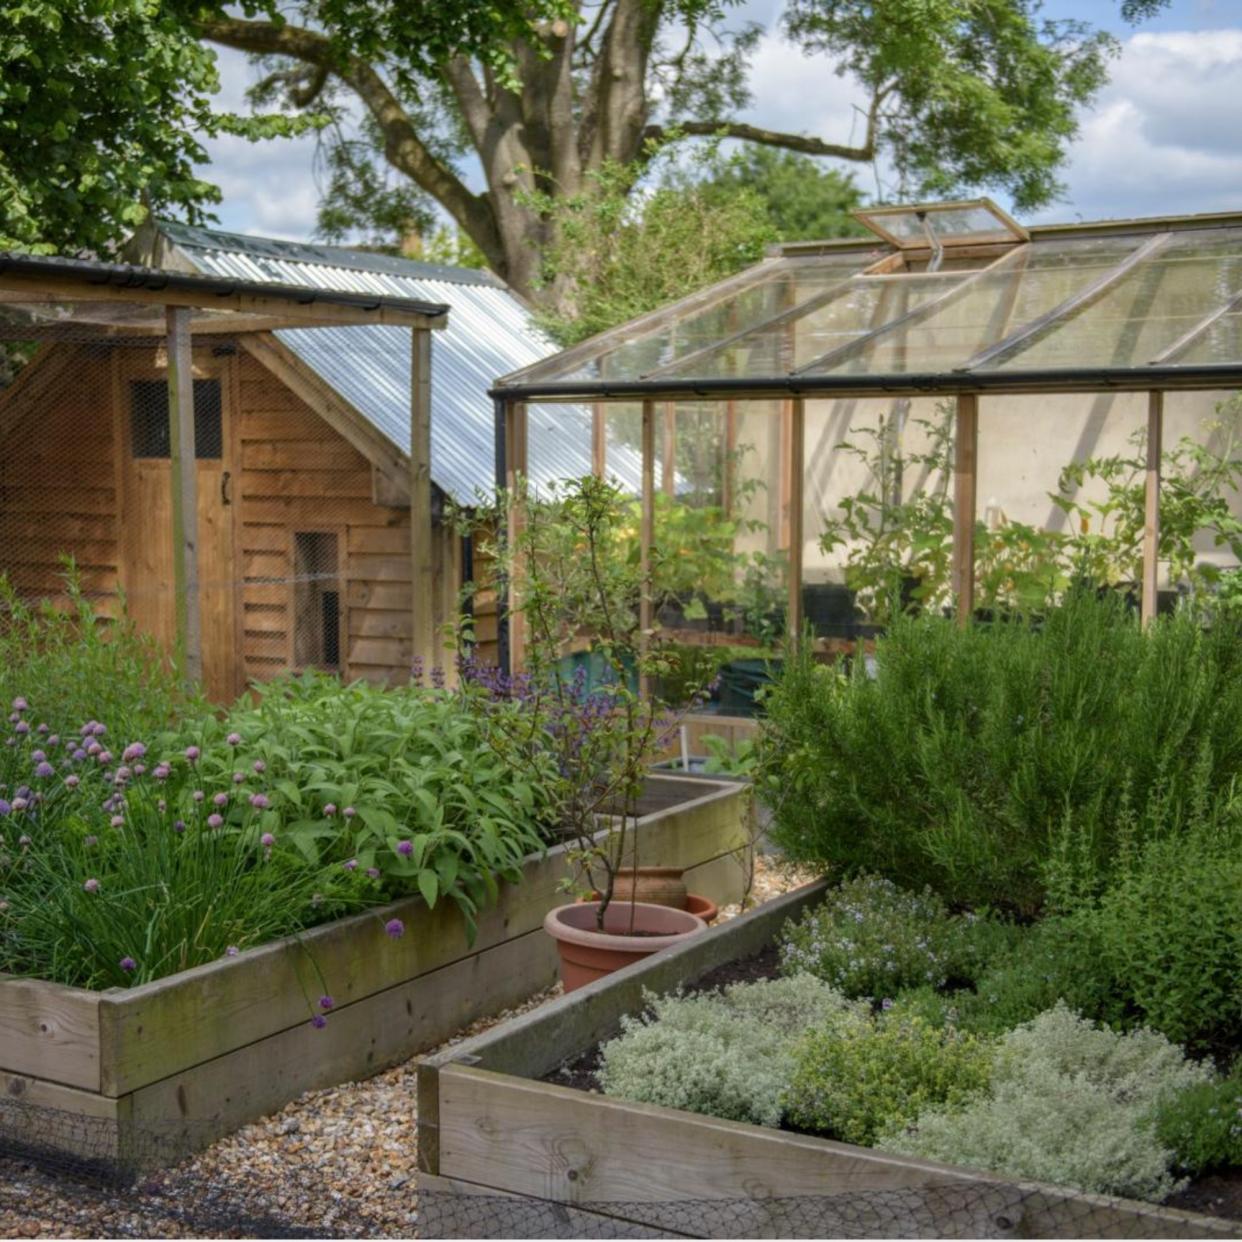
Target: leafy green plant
(1068, 1103)
(76, 664)
(853, 1083)
(725, 1054)
(1202, 1125)
(993, 738)
(870, 938)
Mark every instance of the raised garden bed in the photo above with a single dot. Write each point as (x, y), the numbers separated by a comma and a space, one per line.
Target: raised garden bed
(504, 1154)
(194, 1055)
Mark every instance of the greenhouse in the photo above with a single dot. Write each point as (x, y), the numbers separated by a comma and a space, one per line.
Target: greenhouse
(953, 364)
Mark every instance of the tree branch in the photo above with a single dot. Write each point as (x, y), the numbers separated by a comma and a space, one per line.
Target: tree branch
(767, 137)
(402, 145)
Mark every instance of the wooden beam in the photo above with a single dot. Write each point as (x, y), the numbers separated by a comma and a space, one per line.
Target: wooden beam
(1151, 509)
(515, 479)
(965, 486)
(668, 461)
(422, 565)
(317, 308)
(184, 479)
(796, 471)
(646, 535)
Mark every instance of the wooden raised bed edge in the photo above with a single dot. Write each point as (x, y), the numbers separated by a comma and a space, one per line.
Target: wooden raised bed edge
(220, 1044)
(494, 1138)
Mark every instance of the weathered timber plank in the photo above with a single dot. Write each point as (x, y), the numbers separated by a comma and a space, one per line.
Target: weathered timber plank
(660, 1165)
(359, 1040)
(50, 1031)
(302, 455)
(159, 1028)
(315, 484)
(448, 1208)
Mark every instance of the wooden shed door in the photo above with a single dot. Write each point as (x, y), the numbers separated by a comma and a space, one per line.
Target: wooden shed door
(146, 513)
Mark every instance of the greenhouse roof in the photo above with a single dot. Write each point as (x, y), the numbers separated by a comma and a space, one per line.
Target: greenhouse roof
(951, 297)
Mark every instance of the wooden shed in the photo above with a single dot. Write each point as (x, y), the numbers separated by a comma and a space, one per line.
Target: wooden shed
(307, 432)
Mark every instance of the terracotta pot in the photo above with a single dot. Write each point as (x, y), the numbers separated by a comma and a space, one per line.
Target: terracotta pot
(588, 954)
(705, 909)
(657, 886)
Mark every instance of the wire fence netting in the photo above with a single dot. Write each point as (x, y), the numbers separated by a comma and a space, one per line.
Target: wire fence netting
(64, 1174)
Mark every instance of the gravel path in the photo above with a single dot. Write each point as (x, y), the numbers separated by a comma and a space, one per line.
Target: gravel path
(338, 1162)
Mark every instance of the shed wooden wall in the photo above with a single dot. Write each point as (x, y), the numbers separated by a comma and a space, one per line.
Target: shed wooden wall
(59, 492)
(58, 481)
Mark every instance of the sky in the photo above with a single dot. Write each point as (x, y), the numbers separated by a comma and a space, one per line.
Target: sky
(1161, 137)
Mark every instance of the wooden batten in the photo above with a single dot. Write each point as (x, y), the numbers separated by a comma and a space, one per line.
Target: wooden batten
(184, 480)
(1151, 506)
(422, 568)
(965, 488)
(794, 505)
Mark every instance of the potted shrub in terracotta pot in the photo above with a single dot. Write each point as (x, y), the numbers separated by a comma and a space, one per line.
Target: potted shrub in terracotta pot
(592, 741)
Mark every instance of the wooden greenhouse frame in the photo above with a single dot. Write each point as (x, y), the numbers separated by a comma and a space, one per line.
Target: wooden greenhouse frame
(971, 381)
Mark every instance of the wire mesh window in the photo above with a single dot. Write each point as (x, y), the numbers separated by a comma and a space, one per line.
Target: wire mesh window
(149, 424)
(316, 600)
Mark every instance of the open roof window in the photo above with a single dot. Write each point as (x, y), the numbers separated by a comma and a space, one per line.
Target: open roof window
(918, 226)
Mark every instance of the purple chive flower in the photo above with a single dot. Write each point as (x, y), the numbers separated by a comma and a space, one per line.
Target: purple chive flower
(192, 753)
(37, 756)
(161, 806)
(91, 886)
(350, 864)
(103, 758)
(349, 812)
(122, 774)
(132, 752)
(42, 730)
(373, 872)
(259, 766)
(326, 1002)
(79, 755)
(139, 768)
(45, 769)
(72, 782)
(330, 809)
(117, 821)
(85, 730)
(97, 729)
(238, 777)
(127, 964)
(405, 848)
(53, 741)
(90, 841)
(260, 802)
(319, 1022)
(233, 739)
(24, 841)
(221, 799)
(161, 771)
(198, 795)
(416, 670)
(20, 804)
(214, 820)
(231, 951)
(6, 808)
(179, 826)
(437, 677)
(21, 727)
(395, 928)
(93, 749)
(20, 704)
(267, 840)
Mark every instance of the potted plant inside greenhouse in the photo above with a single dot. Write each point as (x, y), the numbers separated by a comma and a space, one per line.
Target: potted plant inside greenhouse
(596, 737)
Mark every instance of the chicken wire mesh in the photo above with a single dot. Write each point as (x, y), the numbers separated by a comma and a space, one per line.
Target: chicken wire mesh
(301, 540)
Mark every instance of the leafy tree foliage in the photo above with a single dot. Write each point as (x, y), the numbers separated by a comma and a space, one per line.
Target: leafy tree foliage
(964, 95)
(99, 102)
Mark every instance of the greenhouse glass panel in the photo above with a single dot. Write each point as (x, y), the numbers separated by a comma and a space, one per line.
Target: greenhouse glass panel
(1222, 342)
(951, 224)
(1147, 310)
(855, 310)
(991, 306)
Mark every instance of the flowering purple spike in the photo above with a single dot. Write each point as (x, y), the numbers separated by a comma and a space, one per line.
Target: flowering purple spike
(405, 848)
(220, 799)
(45, 770)
(132, 752)
(259, 766)
(128, 964)
(21, 728)
(234, 739)
(330, 809)
(267, 840)
(326, 1002)
(20, 704)
(260, 802)
(319, 1022)
(192, 753)
(215, 821)
(395, 928)
(349, 812)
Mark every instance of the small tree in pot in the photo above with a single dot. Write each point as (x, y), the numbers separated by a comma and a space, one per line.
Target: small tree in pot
(587, 728)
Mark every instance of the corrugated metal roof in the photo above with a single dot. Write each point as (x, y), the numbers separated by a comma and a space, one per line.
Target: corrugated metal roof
(490, 333)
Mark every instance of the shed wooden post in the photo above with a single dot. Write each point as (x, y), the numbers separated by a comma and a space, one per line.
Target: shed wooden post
(515, 479)
(1151, 514)
(646, 535)
(422, 569)
(965, 485)
(796, 468)
(184, 488)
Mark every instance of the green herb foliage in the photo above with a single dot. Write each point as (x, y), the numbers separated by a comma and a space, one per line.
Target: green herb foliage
(1202, 1125)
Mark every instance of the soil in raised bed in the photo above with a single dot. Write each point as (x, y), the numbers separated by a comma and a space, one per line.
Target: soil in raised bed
(1215, 1194)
